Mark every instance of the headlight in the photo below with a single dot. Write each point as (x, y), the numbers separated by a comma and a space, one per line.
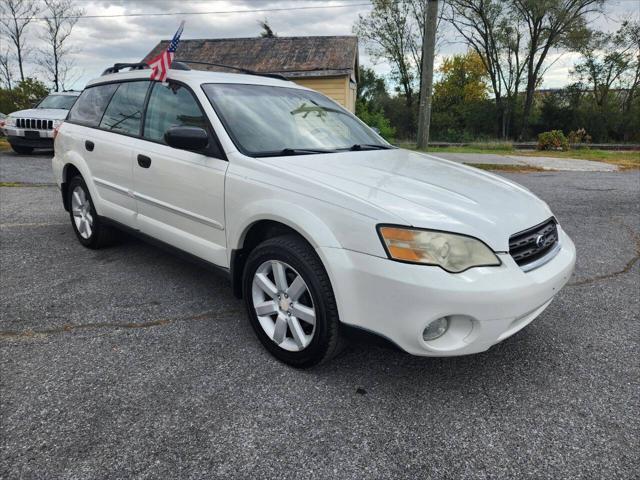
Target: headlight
(453, 252)
(10, 122)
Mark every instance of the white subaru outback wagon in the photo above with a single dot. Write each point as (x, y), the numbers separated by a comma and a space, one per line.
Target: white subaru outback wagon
(318, 221)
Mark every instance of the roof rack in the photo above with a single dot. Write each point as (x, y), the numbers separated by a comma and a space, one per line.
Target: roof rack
(239, 69)
(119, 66)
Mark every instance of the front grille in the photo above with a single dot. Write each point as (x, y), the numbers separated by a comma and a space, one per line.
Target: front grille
(34, 123)
(534, 243)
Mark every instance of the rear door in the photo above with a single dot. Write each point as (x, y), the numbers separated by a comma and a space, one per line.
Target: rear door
(114, 114)
(180, 193)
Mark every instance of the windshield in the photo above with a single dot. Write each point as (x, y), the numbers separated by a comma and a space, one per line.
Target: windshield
(269, 121)
(64, 102)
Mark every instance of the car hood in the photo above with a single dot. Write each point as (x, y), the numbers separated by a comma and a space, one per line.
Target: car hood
(42, 113)
(428, 192)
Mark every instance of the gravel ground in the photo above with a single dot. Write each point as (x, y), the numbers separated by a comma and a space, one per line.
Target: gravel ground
(130, 362)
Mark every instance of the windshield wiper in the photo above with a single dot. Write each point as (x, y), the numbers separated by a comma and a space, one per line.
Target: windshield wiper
(368, 146)
(302, 151)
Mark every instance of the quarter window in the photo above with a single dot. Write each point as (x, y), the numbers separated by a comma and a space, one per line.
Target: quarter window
(90, 106)
(124, 112)
(169, 106)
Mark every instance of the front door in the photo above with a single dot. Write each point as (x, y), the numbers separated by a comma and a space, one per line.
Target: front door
(179, 193)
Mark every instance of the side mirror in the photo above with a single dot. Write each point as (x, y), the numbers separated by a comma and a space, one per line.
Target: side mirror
(187, 138)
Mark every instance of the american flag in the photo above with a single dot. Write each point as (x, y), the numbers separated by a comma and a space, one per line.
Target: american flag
(161, 64)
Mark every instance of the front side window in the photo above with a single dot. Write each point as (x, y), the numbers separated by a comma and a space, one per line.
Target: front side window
(124, 112)
(91, 104)
(63, 102)
(171, 105)
(269, 121)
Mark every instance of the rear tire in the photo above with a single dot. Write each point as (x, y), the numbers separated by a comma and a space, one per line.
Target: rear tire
(22, 150)
(290, 302)
(88, 227)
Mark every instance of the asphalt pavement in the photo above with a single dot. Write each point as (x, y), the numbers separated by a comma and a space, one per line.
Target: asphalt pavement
(129, 362)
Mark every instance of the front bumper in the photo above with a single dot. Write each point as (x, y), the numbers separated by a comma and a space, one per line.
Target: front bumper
(20, 137)
(485, 305)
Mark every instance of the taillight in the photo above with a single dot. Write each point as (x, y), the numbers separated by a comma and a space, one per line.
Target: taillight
(55, 130)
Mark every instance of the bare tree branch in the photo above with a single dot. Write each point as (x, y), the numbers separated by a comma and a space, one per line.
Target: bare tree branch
(15, 16)
(61, 17)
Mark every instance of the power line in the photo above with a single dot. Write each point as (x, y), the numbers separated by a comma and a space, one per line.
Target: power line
(222, 12)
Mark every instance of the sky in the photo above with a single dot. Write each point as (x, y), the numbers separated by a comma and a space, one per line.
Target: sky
(101, 42)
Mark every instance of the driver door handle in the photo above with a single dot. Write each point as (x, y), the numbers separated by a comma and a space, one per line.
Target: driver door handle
(144, 161)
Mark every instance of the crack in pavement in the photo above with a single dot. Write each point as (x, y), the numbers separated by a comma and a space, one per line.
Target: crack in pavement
(67, 328)
(28, 225)
(624, 270)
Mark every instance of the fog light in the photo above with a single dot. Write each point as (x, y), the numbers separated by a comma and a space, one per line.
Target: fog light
(436, 329)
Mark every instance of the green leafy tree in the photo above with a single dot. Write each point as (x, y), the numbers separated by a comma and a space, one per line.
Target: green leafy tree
(23, 96)
(461, 97)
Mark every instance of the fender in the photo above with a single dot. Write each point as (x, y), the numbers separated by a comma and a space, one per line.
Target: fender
(294, 216)
(73, 158)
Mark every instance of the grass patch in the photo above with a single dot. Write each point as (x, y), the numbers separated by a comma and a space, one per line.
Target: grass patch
(495, 146)
(4, 144)
(507, 168)
(20, 184)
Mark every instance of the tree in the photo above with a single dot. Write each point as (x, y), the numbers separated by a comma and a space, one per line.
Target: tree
(606, 60)
(391, 32)
(15, 16)
(371, 88)
(267, 31)
(61, 17)
(24, 95)
(6, 74)
(548, 23)
(461, 98)
(490, 28)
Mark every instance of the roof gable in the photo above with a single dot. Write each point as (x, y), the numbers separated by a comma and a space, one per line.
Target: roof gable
(290, 56)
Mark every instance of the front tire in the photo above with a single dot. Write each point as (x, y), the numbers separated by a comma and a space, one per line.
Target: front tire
(22, 150)
(89, 229)
(290, 302)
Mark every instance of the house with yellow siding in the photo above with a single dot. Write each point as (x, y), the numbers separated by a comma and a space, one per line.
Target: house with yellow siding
(327, 64)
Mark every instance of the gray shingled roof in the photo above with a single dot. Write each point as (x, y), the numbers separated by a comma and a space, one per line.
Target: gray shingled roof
(293, 57)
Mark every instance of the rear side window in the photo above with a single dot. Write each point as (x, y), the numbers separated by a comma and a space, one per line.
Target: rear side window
(171, 106)
(124, 112)
(90, 106)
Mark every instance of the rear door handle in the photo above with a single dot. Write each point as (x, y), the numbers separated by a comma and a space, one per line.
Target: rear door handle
(144, 161)
(88, 144)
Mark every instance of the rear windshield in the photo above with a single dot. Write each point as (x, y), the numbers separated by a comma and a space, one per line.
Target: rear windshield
(64, 102)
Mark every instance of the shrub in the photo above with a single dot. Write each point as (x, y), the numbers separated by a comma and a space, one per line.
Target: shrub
(376, 119)
(552, 140)
(578, 136)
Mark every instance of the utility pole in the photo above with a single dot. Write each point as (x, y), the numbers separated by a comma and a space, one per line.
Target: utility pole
(426, 84)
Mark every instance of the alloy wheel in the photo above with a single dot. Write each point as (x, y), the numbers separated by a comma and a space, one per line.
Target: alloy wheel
(81, 209)
(284, 306)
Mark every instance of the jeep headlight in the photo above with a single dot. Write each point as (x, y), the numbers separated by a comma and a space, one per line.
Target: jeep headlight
(10, 121)
(453, 252)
